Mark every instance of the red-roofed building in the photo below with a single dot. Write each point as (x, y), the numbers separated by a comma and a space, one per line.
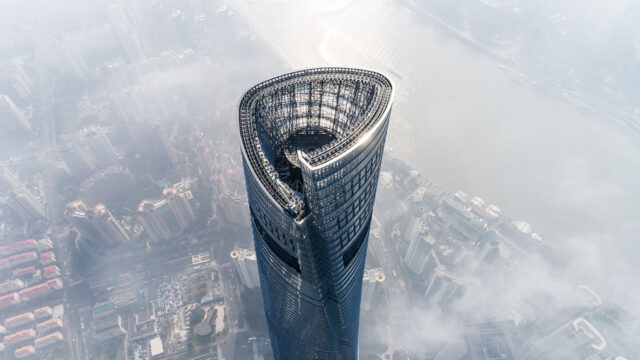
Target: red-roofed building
(40, 289)
(34, 292)
(48, 326)
(28, 271)
(10, 286)
(45, 244)
(18, 247)
(48, 340)
(17, 260)
(11, 299)
(51, 271)
(44, 312)
(55, 284)
(19, 337)
(18, 320)
(24, 352)
(47, 258)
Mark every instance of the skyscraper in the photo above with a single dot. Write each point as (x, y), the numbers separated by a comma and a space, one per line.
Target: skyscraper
(312, 144)
(178, 201)
(418, 253)
(76, 161)
(245, 262)
(96, 225)
(100, 146)
(25, 204)
(8, 181)
(371, 287)
(493, 340)
(157, 220)
(14, 117)
(152, 139)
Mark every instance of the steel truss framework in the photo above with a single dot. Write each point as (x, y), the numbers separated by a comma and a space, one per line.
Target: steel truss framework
(340, 101)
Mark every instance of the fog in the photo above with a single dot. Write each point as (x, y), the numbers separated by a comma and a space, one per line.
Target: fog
(473, 123)
(532, 107)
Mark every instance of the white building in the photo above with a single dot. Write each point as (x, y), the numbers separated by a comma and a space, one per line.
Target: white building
(417, 255)
(11, 116)
(247, 266)
(371, 283)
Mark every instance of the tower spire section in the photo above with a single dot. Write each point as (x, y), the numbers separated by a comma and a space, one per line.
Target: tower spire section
(312, 145)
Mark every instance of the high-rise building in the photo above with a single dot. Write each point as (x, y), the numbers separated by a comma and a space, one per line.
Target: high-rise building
(577, 338)
(125, 32)
(312, 144)
(11, 116)
(493, 340)
(100, 146)
(178, 200)
(174, 213)
(446, 286)
(77, 162)
(233, 209)
(25, 204)
(371, 287)
(205, 155)
(158, 220)
(12, 72)
(97, 225)
(152, 139)
(245, 262)
(8, 181)
(418, 253)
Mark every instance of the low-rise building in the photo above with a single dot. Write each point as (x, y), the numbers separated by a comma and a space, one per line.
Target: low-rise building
(25, 272)
(46, 341)
(18, 260)
(18, 247)
(108, 328)
(40, 289)
(47, 258)
(17, 321)
(23, 352)
(10, 299)
(42, 313)
(11, 286)
(19, 337)
(51, 272)
(48, 326)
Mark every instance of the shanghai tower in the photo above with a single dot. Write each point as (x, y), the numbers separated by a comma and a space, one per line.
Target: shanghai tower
(312, 144)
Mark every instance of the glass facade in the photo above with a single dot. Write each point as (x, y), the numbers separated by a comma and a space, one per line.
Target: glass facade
(312, 144)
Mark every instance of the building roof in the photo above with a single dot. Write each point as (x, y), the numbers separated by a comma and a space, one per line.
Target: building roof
(9, 298)
(17, 247)
(24, 271)
(103, 308)
(42, 312)
(19, 336)
(49, 324)
(51, 270)
(48, 340)
(310, 104)
(15, 260)
(156, 346)
(18, 320)
(47, 256)
(24, 351)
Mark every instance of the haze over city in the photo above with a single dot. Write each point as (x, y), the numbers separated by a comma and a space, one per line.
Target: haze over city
(504, 224)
